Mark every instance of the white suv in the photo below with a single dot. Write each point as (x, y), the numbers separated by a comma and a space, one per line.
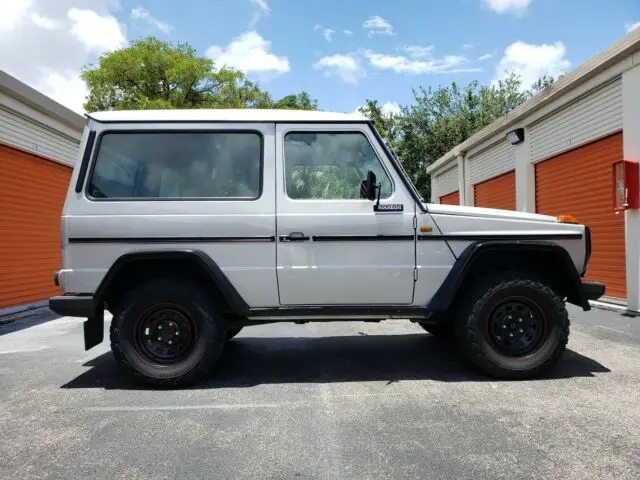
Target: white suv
(189, 225)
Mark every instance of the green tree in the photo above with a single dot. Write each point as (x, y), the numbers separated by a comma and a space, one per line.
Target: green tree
(446, 116)
(541, 84)
(385, 124)
(154, 74)
(301, 101)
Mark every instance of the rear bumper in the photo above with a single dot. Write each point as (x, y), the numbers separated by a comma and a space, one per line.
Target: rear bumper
(73, 305)
(592, 290)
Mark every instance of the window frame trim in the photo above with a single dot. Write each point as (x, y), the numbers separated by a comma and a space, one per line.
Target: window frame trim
(337, 131)
(98, 144)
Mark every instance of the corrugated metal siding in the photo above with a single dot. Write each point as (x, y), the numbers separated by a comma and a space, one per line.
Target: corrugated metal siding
(498, 192)
(25, 134)
(446, 182)
(592, 117)
(32, 194)
(578, 183)
(491, 162)
(450, 199)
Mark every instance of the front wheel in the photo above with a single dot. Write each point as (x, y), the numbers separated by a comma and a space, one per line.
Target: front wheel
(167, 334)
(512, 327)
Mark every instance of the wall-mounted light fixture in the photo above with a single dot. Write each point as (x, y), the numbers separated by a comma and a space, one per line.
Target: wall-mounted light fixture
(516, 136)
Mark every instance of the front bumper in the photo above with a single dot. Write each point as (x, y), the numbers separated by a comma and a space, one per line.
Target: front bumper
(592, 290)
(73, 305)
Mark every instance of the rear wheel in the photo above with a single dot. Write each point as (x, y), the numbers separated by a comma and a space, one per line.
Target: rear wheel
(512, 327)
(167, 334)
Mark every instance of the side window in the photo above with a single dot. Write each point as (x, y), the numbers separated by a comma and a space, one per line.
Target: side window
(330, 165)
(165, 165)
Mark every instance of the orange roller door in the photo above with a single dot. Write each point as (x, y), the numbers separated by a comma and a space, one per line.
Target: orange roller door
(498, 192)
(32, 193)
(451, 199)
(578, 183)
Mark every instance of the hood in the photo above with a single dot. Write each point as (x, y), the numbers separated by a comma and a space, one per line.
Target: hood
(487, 213)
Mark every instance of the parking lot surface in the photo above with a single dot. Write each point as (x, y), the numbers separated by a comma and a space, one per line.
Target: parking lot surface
(321, 401)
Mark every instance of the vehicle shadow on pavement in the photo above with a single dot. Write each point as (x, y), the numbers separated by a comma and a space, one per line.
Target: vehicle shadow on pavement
(248, 362)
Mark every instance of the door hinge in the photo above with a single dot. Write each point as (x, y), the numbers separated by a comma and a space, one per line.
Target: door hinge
(415, 274)
(415, 223)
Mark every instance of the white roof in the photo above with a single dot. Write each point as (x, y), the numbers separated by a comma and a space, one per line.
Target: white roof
(230, 115)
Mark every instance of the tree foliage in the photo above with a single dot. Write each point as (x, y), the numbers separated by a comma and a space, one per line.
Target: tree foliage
(443, 117)
(154, 74)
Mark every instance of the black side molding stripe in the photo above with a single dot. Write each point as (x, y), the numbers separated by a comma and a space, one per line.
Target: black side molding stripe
(361, 238)
(171, 239)
(85, 160)
(559, 236)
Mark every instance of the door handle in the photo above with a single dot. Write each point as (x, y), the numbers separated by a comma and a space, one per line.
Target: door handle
(294, 237)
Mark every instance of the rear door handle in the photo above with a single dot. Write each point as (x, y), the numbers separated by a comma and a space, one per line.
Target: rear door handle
(294, 237)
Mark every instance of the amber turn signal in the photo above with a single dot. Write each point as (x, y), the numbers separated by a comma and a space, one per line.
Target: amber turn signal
(566, 219)
(426, 229)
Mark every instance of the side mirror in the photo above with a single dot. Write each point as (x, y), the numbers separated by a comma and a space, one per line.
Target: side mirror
(369, 187)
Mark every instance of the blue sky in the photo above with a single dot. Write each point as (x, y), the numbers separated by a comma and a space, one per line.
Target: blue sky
(340, 51)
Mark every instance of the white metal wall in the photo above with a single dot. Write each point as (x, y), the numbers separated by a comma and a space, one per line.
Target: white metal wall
(444, 183)
(24, 134)
(594, 116)
(494, 161)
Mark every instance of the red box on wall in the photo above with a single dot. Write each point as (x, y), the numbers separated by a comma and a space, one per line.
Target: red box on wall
(626, 177)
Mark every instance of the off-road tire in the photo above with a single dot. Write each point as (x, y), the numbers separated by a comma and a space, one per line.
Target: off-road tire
(471, 326)
(232, 332)
(208, 343)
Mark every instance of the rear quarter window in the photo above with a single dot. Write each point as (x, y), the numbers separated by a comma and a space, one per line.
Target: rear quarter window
(177, 165)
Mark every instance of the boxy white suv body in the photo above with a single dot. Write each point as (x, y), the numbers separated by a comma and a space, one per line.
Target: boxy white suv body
(189, 225)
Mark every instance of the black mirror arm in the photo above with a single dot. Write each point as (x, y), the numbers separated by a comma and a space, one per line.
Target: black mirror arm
(379, 189)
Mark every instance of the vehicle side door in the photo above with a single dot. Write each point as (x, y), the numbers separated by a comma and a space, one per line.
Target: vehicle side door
(333, 247)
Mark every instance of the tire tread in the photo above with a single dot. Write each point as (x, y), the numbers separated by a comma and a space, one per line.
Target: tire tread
(468, 339)
(186, 289)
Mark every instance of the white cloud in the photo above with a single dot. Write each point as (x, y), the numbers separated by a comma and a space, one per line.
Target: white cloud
(347, 32)
(346, 67)
(533, 61)
(45, 44)
(484, 57)
(630, 27)
(377, 26)
(140, 13)
(419, 51)
(249, 53)
(97, 33)
(13, 12)
(391, 108)
(516, 7)
(317, 27)
(468, 46)
(328, 34)
(402, 64)
(68, 89)
(262, 10)
(262, 5)
(44, 22)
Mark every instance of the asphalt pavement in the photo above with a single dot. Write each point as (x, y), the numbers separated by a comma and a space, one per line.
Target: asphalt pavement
(321, 401)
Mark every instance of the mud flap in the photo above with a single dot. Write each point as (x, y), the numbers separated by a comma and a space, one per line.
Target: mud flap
(94, 330)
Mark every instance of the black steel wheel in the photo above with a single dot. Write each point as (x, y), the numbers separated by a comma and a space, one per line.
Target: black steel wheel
(512, 326)
(168, 332)
(516, 327)
(165, 334)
